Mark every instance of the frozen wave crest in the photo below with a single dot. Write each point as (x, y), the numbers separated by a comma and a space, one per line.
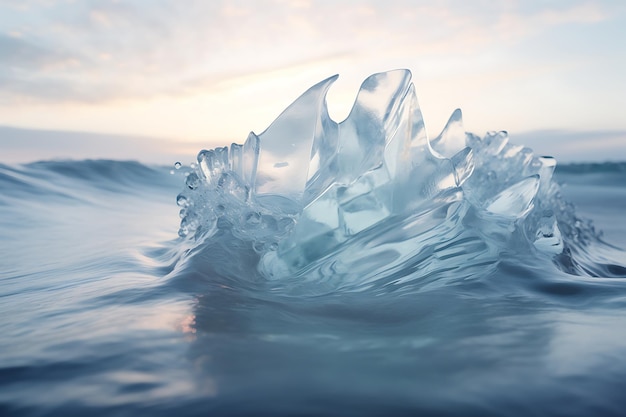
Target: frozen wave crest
(372, 202)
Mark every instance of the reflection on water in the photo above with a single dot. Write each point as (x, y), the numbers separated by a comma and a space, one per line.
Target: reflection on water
(516, 347)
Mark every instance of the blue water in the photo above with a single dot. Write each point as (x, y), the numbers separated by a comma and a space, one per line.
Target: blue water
(103, 311)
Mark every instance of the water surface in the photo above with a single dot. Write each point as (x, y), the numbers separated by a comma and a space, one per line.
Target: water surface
(99, 316)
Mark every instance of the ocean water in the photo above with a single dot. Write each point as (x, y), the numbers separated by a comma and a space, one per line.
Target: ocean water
(105, 311)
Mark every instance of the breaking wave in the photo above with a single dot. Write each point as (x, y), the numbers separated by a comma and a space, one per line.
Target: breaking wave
(312, 206)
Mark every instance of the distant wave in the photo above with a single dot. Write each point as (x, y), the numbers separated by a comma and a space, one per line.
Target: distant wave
(67, 178)
(593, 167)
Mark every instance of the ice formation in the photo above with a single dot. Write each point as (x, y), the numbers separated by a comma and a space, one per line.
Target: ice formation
(372, 201)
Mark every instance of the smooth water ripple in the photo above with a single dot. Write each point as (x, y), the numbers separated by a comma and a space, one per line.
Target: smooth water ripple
(106, 311)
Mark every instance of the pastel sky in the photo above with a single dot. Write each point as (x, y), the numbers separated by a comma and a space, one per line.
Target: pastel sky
(206, 72)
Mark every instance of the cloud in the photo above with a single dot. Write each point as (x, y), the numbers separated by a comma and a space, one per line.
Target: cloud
(16, 53)
(109, 56)
(30, 71)
(120, 50)
(578, 13)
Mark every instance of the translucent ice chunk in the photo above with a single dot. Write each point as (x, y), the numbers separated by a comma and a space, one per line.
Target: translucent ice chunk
(463, 163)
(383, 165)
(516, 200)
(548, 238)
(355, 190)
(545, 172)
(250, 159)
(451, 140)
(371, 124)
(283, 166)
(371, 200)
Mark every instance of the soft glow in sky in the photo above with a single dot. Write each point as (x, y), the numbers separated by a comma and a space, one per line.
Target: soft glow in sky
(210, 71)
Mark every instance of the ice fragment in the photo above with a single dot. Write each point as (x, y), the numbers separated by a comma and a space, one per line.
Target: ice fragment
(372, 201)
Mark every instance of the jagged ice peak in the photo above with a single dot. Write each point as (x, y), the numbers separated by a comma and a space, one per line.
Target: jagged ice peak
(372, 200)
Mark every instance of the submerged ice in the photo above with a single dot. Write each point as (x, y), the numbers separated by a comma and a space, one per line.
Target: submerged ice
(372, 200)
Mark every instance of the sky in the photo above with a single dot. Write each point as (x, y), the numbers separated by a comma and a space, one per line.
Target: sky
(170, 77)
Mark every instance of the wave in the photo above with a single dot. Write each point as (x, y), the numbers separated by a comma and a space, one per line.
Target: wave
(78, 179)
(449, 238)
(593, 168)
(372, 204)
